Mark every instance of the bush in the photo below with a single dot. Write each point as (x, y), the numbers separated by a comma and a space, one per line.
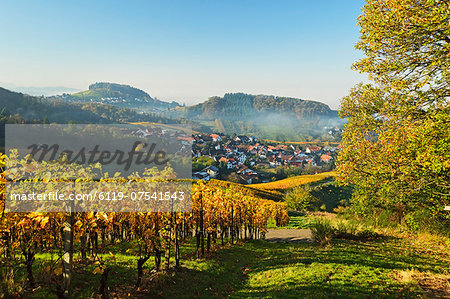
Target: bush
(424, 220)
(345, 229)
(300, 199)
(322, 231)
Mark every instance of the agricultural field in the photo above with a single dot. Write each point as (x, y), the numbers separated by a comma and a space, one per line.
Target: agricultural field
(160, 125)
(292, 182)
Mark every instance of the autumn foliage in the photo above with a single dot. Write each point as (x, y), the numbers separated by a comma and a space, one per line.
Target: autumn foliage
(218, 214)
(396, 146)
(292, 182)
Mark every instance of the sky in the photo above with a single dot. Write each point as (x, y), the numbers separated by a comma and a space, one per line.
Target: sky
(185, 50)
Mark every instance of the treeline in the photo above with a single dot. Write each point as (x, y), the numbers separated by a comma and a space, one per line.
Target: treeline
(236, 105)
(270, 117)
(277, 127)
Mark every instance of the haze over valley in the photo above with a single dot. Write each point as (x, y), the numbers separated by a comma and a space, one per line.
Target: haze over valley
(266, 116)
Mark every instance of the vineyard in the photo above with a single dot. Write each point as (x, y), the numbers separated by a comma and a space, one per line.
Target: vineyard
(219, 215)
(292, 182)
(249, 190)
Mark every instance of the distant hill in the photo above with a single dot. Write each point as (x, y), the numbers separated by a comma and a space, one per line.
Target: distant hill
(269, 117)
(18, 107)
(238, 105)
(120, 95)
(272, 117)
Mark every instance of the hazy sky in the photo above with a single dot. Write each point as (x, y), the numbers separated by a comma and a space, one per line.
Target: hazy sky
(184, 50)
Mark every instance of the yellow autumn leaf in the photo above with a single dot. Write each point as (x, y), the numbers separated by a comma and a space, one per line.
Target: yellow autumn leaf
(98, 270)
(44, 221)
(58, 271)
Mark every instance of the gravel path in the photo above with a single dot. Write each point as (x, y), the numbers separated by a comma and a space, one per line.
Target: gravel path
(288, 235)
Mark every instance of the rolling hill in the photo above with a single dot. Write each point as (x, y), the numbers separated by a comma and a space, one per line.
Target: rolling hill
(271, 117)
(18, 107)
(267, 117)
(238, 105)
(119, 95)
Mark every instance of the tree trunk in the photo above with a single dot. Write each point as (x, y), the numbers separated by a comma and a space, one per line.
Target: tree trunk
(168, 249)
(140, 263)
(157, 250)
(177, 247)
(83, 247)
(199, 232)
(68, 253)
(29, 259)
(103, 281)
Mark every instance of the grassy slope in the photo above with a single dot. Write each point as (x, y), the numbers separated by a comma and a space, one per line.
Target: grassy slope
(397, 266)
(296, 220)
(347, 269)
(160, 125)
(87, 94)
(390, 267)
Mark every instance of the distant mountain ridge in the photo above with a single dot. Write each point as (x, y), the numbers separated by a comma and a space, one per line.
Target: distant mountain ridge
(120, 95)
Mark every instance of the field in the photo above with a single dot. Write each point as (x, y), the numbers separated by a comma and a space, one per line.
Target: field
(292, 182)
(220, 126)
(250, 190)
(345, 269)
(159, 125)
(395, 265)
(119, 251)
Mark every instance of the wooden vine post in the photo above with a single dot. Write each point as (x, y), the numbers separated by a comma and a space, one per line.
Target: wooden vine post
(68, 249)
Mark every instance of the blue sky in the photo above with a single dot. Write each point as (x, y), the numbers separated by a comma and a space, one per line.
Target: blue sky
(184, 50)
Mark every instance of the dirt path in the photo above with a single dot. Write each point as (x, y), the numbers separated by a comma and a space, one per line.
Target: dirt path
(288, 235)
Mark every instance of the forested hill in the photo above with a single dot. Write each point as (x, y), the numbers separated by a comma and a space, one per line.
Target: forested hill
(271, 117)
(241, 105)
(18, 107)
(120, 95)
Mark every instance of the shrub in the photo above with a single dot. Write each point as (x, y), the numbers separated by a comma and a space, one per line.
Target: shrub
(345, 229)
(322, 231)
(300, 199)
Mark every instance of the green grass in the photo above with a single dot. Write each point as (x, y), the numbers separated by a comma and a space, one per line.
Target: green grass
(296, 220)
(345, 269)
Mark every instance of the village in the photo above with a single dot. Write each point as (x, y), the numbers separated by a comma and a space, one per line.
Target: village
(247, 160)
